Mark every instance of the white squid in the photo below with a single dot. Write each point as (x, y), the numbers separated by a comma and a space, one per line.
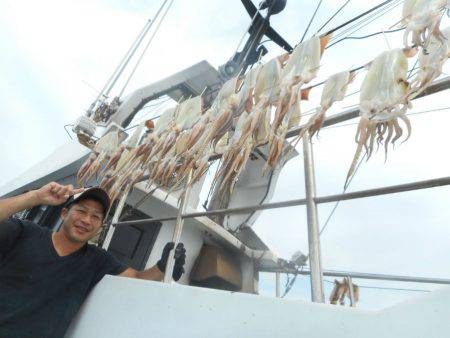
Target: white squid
(334, 90)
(301, 68)
(422, 18)
(431, 62)
(383, 101)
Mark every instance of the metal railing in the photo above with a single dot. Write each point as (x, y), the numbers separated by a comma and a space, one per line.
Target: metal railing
(438, 182)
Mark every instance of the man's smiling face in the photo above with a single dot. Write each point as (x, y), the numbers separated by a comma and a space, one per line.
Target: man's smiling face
(82, 220)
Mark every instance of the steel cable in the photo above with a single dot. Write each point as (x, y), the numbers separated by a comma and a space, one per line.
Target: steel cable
(311, 21)
(333, 16)
(368, 20)
(147, 46)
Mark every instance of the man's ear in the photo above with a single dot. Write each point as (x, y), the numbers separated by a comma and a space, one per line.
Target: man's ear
(64, 212)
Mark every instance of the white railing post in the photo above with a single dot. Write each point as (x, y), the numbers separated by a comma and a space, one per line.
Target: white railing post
(277, 284)
(317, 294)
(178, 230)
(115, 219)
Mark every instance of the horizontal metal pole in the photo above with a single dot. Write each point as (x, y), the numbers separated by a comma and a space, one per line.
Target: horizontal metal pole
(284, 204)
(363, 275)
(436, 87)
(437, 182)
(240, 210)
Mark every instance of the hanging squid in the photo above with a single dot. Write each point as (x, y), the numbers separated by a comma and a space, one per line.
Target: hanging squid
(105, 148)
(421, 19)
(241, 143)
(334, 90)
(383, 102)
(431, 62)
(341, 290)
(301, 67)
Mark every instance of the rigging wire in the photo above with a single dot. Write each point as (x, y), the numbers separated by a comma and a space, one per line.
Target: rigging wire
(384, 288)
(148, 44)
(290, 283)
(155, 107)
(366, 21)
(248, 28)
(333, 16)
(130, 55)
(338, 202)
(364, 37)
(310, 21)
(358, 17)
(269, 10)
(65, 128)
(121, 65)
(413, 68)
(408, 114)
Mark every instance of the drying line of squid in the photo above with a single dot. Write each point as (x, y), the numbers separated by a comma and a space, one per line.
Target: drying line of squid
(240, 119)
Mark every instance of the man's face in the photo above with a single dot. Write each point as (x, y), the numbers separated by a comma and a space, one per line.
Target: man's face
(82, 221)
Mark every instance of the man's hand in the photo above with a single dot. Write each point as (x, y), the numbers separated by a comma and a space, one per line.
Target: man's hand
(55, 194)
(50, 194)
(180, 259)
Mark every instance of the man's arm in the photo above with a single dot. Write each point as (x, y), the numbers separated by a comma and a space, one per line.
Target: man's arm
(9, 206)
(150, 274)
(156, 273)
(50, 194)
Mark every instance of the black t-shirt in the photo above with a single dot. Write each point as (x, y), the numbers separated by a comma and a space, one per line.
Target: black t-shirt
(40, 292)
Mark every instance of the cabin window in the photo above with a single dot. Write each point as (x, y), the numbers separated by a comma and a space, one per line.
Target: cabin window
(34, 214)
(132, 244)
(50, 217)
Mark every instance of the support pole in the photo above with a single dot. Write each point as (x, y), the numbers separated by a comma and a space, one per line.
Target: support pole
(115, 219)
(278, 286)
(317, 294)
(178, 230)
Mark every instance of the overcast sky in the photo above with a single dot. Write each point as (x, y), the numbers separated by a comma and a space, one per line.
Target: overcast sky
(56, 54)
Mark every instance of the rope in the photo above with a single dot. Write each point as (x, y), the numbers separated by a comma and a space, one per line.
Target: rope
(148, 44)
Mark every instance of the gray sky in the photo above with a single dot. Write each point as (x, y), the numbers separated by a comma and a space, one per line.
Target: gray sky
(53, 52)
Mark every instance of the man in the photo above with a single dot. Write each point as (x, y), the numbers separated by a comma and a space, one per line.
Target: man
(45, 276)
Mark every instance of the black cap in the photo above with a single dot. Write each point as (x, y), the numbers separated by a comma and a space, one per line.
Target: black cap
(94, 193)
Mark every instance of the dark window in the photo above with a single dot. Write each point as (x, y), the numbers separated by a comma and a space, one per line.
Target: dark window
(132, 244)
(50, 217)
